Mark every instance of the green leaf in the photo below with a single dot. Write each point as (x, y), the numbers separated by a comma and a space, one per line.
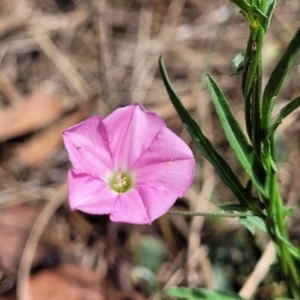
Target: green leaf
(268, 10)
(237, 63)
(285, 111)
(288, 211)
(263, 19)
(243, 5)
(294, 251)
(191, 294)
(252, 12)
(253, 223)
(233, 207)
(149, 253)
(236, 138)
(220, 165)
(276, 79)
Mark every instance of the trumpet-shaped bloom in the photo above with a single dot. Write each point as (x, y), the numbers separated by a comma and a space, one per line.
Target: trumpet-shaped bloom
(128, 165)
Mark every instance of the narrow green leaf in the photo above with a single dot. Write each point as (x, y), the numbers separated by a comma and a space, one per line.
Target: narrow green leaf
(284, 112)
(192, 294)
(233, 207)
(294, 251)
(268, 10)
(220, 165)
(243, 5)
(236, 138)
(276, 79)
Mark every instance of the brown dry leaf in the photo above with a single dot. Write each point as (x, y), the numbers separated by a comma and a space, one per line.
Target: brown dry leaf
(34, 112)
(67, 282)
(39, 148)
(15, 224)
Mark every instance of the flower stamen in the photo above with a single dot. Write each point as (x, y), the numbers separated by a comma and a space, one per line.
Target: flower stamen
(120, 182)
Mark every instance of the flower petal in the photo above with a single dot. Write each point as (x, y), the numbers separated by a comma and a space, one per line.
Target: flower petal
(157, 202)
(129, 208)
(87, 147)
(134, 141)
(167, 165)
(130, 131)
(89, 194)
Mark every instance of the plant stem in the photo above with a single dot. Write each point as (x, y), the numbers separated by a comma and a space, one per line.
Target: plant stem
(212, 214)
(278, 232)
(264, 148)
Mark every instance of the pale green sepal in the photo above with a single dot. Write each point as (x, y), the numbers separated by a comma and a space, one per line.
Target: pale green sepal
(237, 63)
(253, 223)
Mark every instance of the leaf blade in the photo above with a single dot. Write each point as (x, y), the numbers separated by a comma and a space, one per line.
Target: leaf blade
(277, 77)
(236, 138)
(284, 112)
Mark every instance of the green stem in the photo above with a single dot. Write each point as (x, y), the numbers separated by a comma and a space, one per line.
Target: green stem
(251, 85)
(275, 221)
(278, 232)
(256, 96)
(247, 79)
(213, 214)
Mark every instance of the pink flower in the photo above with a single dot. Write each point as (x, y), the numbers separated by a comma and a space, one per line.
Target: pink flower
(128, 165)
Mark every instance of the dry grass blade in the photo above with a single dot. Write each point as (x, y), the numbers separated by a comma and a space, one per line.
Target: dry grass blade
(19, 195)
(13, 20)
(9, 90)
(141, 52)
(68, 21)
(62, 63)
(23, 292)
(259, 273)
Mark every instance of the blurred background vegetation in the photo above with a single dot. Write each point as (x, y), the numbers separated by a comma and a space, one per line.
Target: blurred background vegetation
(64, 60)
